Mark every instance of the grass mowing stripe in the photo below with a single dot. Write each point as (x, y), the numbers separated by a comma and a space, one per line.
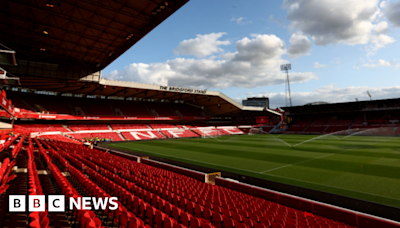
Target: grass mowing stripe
(376, 180)
(313, 159)
(203, 162)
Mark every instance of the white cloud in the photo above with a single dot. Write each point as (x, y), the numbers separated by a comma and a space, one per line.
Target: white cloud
(202, 45)
(240, 20)
(333, 21)
(318, 65)
(333, 94)
(256, 62)
(392, 11)
(382, 63)
(300, 45)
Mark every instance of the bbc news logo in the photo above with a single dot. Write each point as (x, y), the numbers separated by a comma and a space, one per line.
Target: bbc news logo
(56, 203)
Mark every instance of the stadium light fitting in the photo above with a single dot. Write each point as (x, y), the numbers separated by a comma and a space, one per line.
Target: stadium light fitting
(45, 32)
(43, 49)
(158, 10)
(129, 36)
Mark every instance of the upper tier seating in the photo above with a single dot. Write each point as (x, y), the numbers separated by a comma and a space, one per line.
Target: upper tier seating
(186, 110)
(161, 126)
(162, 109)
(129, 126)
(99, 107)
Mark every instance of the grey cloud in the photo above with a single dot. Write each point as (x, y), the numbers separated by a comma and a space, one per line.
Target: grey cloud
(255, 63)
(300, 45)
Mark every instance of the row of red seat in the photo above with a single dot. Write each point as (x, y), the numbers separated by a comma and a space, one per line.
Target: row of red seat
(220, 206)
(37, 219)
(85, 218)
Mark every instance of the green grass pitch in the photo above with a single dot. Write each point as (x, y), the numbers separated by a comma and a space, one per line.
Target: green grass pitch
(363, 167)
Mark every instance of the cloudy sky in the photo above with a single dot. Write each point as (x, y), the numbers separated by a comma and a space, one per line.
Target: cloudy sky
(338, 50)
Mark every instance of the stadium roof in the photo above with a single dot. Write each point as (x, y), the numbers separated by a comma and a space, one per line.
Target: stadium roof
(75, 38)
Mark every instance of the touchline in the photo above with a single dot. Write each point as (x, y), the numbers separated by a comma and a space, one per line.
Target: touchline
(56, 203)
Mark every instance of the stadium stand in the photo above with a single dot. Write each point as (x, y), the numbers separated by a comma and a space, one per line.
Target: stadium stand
(129, 126)
(162, 126)
(148, 196)
(52, 104)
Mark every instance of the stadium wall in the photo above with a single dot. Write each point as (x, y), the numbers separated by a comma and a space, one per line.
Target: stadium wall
(278, 192)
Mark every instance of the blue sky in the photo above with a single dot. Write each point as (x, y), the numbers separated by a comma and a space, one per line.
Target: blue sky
(338, 50)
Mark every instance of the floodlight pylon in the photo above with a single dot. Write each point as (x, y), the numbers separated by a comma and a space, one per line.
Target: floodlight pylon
(288, 96)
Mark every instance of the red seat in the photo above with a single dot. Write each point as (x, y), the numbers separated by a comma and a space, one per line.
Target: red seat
(217, 219)
(195, 223)
(248, 222)
(150, 213)
(228, 222)
(168, 223)
(190, 207)
(161, 204)
(159, 218)
(259, 225)
(207, 213)
(176, 213)
(226, 213)
(236, 217)
(182, 203)
(168, 208)
(240, 225)
(198, 211)
(277, 225)
(186, 218)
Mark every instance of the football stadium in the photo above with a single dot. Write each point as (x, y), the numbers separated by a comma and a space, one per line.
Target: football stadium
(170, 156)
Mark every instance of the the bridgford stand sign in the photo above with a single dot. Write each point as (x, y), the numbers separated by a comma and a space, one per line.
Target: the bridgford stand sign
(182, 90)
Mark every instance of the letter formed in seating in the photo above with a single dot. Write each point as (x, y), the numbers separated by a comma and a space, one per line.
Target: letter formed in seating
(36, 203)
(56, 203)
(16, 203)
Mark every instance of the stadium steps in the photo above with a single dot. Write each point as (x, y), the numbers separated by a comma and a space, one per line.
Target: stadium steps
(352, 122)
(58, 219)
(112, 109)
(71, 108)
(27, 104)
(66, 127)
(109, 127)
(163, 134)
(18, 187)
(147, 110)
(309, 124)
(121, 136)
(154, 112)
(105, 220)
